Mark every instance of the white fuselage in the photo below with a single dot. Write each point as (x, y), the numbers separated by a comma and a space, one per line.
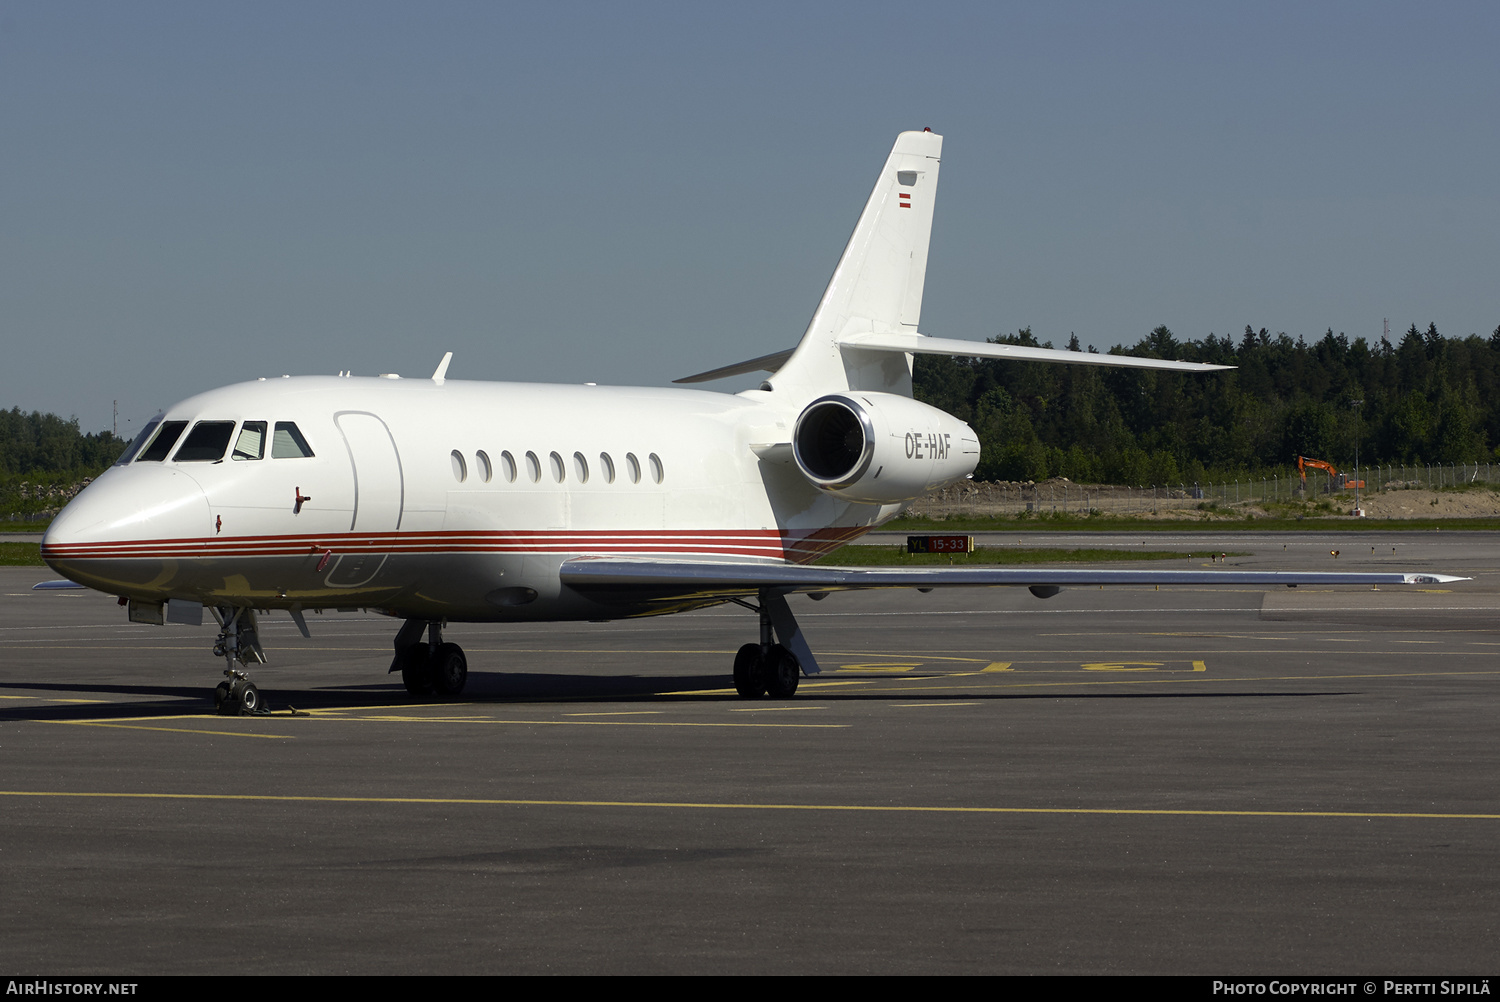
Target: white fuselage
(453, 500)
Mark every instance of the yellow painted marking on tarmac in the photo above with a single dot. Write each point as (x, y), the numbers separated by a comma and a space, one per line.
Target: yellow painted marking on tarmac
(614, 713)
(1416, 641)
(995, 666)
(54, 699)
(175, 730)
(730, 806)
(926, 705)
(1121, 665)
(804, 685)
(396, 718)
(1199, 666)
(879, 667)
(1177, 679)
(771, 709)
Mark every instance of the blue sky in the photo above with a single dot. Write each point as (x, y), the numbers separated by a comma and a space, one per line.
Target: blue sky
(193, 194)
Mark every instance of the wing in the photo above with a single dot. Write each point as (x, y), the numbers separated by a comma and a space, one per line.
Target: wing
(638, 579)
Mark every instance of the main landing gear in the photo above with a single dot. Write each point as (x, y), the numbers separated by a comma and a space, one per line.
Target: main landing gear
(237, 643)
(432, 666)
(769, 668)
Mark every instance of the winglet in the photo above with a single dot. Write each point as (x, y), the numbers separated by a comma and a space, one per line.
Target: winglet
(57, 586)
(441, 372)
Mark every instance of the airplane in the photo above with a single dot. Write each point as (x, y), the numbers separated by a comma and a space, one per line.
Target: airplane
(438, 500)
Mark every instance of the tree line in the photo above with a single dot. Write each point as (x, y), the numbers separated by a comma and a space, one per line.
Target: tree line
(1426, 399)
(47, 445)
(44, 457)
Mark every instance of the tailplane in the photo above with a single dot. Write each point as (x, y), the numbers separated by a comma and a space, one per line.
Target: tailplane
(864, 334)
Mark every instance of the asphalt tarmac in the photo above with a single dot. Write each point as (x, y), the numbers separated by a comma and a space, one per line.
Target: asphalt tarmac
(1179, 781)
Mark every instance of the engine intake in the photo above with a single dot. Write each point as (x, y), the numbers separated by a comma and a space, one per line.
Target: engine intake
(881, 448)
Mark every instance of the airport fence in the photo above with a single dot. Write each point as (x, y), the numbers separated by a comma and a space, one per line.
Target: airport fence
(1060, 496)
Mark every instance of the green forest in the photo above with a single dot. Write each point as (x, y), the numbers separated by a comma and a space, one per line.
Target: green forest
(1427, 399)
(42, 456)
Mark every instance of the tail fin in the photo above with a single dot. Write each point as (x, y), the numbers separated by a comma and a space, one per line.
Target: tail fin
(877, 286)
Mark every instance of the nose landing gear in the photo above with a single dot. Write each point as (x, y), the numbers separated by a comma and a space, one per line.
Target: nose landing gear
(237, 643)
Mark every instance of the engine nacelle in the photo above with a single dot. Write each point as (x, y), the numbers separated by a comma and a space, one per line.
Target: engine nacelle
(881, 448)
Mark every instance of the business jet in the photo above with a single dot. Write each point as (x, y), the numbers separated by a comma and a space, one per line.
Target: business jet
(438, 501)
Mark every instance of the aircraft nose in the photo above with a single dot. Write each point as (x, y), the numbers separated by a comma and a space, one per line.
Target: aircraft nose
(117, 532)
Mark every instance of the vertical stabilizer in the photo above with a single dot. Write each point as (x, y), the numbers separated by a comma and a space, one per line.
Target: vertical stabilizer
(877, 286)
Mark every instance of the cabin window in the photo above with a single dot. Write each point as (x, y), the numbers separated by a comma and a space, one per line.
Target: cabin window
(656, 471)
(559, 470)
(607, 466)
(580, 468)
(633, 467)
(533, 467)
(508, 467)
(162, 444)
(140, 440)
(252, 442)
(460, 468)
(482, 461)
(288, 443)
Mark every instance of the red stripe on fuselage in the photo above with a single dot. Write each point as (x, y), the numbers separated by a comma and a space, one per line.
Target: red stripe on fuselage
(771, 543)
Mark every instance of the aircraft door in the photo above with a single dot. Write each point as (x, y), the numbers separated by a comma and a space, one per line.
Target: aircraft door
(379, 492)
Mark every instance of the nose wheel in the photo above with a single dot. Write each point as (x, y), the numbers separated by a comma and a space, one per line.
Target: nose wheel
(237, 696)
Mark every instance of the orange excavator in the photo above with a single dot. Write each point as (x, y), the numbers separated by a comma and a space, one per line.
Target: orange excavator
(1336, 481)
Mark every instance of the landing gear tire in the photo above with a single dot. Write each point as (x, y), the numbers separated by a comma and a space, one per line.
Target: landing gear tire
(416, 673)
(449, 670)
(781, 672)
(749, 680)
(250, 701)
(221, 696)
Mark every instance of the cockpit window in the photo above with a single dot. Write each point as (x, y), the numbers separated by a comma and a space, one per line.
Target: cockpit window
(140, 440)
(288, 443)
(252, 442)
(162, 444)
(205, 443)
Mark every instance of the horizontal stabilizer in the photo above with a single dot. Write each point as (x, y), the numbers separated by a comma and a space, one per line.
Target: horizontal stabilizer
(669, 580)
(765, 363)
(921, 344)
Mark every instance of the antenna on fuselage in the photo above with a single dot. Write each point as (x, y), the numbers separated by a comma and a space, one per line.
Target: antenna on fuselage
(441, 372)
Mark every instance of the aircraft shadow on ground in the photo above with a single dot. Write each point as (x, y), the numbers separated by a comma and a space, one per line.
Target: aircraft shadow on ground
(149, 701)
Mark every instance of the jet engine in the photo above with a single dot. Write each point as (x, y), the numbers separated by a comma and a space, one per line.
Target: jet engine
(881, 448)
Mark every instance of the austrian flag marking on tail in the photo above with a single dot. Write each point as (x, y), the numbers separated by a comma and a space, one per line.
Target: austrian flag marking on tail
(905, 199)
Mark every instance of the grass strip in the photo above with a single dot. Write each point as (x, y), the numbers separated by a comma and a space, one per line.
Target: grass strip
(21, 555)
(896, 556)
